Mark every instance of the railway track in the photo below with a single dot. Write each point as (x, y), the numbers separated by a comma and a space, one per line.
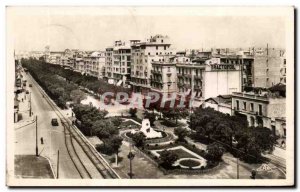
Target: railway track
(72, 131)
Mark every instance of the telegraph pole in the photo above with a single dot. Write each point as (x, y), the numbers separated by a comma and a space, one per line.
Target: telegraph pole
(30, 104)
(36, 138)
(237, 168)
(130, 157)
(57, 172)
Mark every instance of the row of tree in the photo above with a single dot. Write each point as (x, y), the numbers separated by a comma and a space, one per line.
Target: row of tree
(54, 85)
(90, 82)
(233, 132)
(92, 122)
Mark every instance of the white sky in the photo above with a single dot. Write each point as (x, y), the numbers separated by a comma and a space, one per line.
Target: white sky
(96, 28)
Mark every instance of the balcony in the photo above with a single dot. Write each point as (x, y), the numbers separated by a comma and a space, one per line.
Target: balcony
(156, 72)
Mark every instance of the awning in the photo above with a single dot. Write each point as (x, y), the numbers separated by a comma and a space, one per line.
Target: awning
(119, 83)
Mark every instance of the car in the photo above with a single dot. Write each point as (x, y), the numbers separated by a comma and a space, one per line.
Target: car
(54, 122)
(27, 92)
(30, 85)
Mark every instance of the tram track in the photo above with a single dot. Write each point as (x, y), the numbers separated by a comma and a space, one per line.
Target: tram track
(72, 131)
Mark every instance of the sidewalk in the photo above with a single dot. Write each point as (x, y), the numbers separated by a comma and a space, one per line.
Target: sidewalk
(30, 166)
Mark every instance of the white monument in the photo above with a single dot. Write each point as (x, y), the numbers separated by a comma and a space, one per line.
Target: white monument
(148, 131)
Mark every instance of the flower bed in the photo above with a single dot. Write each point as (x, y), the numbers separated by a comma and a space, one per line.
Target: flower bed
(189, 163)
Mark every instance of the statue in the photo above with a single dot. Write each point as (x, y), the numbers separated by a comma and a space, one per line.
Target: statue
(148, 131)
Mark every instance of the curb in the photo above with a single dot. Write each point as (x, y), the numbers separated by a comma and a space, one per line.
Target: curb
(54, 176)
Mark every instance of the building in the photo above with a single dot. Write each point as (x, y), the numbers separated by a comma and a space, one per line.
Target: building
(221, 103)
(269, 67)
(265, 108)
(95, 63)
(200, 78)
(163, 78)
(155, 49)
(109, 65)
(122, 62)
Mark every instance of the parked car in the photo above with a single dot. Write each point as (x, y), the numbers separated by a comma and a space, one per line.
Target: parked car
(30, 85)
(54, 122)
(27, 92)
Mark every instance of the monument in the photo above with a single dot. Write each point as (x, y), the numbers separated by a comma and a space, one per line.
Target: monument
(148, 131)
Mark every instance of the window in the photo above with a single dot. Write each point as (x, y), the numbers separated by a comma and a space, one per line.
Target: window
(156, 53)
(237, 105)
(245, 106)
(162, 40)
(165, 48)
(156, 47)
(160, 53)
(169, 70)
(260, 109)
(251, 107)
(148, 53)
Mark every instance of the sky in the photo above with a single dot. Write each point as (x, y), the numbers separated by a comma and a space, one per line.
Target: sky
(61, 28)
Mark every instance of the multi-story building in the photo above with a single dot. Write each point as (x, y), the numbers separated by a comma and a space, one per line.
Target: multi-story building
(163, 78)
(155, 49)
(118, 62)
(269, 67)
(109, 65)
(122, 62)
(200, 78)
(95, 63)
(265, 109)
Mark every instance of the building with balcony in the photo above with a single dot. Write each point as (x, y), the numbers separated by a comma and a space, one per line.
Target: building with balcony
(163, 78)
(108, 65)
(95, 64)
(266, 108)
(155, 49)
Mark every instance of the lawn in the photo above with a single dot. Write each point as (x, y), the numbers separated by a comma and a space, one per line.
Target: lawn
(180, 153)
(189, 163)
(129, 124)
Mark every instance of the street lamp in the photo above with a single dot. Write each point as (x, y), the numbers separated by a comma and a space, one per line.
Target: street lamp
(130, 156)
(29, 104)
(36, 138)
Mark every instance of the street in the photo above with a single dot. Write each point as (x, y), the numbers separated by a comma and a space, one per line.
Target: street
(53, 137)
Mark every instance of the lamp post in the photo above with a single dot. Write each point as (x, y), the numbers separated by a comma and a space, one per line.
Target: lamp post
(36, 138)
(29, 104)
(130, 156)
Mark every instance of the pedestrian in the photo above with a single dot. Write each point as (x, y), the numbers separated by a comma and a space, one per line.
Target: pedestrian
(22, 100)
(282, 144)
(42, 140)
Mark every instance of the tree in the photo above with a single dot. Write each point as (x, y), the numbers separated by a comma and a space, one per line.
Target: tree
(151, 117)
(104, 128)
(114, 143)
(116, 121)
(215, 151)
(132, 112)
(77, 96)
(175, 114)
(181, 133)
(139, 139)
(168, 158)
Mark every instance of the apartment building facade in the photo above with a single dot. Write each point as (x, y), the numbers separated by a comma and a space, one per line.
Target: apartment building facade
(269, 67)
(155, 49)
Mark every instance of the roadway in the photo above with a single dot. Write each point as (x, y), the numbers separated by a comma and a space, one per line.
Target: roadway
(53, 136)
